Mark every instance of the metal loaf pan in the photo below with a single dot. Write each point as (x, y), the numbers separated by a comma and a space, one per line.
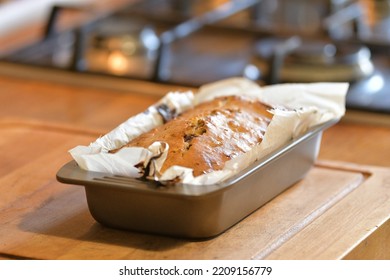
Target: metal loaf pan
(193, 211)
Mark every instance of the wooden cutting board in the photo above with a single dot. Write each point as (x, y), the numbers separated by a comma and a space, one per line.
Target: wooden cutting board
(340, 210)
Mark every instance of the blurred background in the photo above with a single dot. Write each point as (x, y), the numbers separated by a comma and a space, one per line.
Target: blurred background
(197, 41)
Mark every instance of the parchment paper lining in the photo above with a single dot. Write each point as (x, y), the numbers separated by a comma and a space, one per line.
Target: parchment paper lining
(309, 105)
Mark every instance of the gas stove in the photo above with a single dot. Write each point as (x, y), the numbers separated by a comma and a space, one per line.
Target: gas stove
(194, 42)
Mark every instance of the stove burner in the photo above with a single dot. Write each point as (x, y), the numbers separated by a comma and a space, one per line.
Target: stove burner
(294, 60)
(122, 47)
(191, 43)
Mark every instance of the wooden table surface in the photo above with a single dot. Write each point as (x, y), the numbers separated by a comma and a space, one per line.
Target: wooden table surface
(341, 210)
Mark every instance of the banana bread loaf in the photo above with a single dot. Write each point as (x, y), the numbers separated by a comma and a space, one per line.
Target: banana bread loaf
(205, 137)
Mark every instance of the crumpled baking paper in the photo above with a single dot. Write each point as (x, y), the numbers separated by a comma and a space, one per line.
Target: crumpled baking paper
(308, 105)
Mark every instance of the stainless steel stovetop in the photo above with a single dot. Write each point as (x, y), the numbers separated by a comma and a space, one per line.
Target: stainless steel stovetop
(194, 42)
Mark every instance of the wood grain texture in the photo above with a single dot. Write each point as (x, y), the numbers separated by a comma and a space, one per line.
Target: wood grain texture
(340, 229)
(375, 246)
(357, 143)
(41, 218)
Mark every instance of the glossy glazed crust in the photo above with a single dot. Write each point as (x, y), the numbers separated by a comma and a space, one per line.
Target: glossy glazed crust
(205, 137)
